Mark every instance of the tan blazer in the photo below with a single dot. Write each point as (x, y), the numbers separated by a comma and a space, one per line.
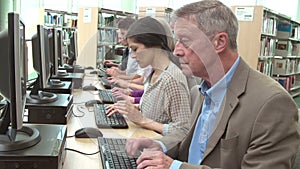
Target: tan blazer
(257, 126)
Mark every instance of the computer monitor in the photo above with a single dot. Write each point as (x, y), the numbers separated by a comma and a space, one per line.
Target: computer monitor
(41, 64)
(54, 46)
(13, 87)
(72, 49)
(60, 48)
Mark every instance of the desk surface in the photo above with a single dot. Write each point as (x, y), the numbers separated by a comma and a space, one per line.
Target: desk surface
(75, 160)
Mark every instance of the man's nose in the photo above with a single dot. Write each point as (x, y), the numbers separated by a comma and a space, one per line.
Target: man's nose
(178, 51)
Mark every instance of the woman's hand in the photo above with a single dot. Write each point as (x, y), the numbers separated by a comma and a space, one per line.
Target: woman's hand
(122, 94)
(113, 71)
(130, 110)
(120, 90)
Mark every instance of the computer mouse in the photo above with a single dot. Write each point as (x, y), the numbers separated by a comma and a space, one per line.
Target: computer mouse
(89, 67)
(94, 72)
(89, 87)
(88, 132)
(91, 103)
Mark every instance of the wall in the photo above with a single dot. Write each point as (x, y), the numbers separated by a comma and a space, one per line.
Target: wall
(287, 7)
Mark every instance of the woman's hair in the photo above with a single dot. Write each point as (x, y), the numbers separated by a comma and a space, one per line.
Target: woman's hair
(149, 32)
(169, 33)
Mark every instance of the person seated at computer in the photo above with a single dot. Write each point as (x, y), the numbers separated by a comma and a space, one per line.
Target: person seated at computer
(123, 26)
(137, 82)
(134, 96)
(165, 104)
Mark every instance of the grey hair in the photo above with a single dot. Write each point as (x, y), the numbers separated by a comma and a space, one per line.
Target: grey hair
(212, 17)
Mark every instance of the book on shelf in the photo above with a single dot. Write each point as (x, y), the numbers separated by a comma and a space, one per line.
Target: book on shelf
(281, 66)
(53, 19)
(284, 30)
(267, 46)
(287, 82)
(265, 67)
(284, 48)
(296, 32)
(107, 36)
(269, 25)
(296, 49)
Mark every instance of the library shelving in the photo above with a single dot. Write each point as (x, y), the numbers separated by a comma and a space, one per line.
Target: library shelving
(64, 21)
(157, 12)
(107, 34)
(270, 42)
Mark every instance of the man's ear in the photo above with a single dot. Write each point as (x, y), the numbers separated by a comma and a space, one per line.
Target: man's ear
(220, 41)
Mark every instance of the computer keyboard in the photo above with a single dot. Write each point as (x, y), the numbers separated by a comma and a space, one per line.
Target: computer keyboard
(106, 83)
(103, 121)
(107, 97)
(101, 74)
(113, 154)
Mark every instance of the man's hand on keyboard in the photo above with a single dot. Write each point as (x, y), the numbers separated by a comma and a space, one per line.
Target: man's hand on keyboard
(154, 159)
(135, 146)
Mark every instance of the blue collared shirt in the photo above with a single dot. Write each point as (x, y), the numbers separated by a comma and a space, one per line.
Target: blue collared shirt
(210, 110)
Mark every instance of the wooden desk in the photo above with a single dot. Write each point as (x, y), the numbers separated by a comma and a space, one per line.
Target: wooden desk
(75, 160)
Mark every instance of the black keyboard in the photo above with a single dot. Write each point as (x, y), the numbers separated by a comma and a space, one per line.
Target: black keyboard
(101, 74)
(107, 97)
(103, 121)
(113, 154)
(106, 83)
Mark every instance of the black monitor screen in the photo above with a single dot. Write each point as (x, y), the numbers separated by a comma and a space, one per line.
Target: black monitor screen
(13, 86)
(53, 44)
(72, 48)
(60, 48)
(42, 64)
(13, 69)
(41, 56)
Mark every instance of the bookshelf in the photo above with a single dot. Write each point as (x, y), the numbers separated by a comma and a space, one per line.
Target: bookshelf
(64, 21)
(270, 42)
(107, 34)
(156, 12)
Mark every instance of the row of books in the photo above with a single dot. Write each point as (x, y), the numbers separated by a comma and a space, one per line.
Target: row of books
(60, 19)
(287, 48)
(269, 25)
(287, 82)
(271, 46)
(267, 46)
(106, 21)
(287, 30)
(286, 66)
(107, 36)
(103, 53)
(265, 66)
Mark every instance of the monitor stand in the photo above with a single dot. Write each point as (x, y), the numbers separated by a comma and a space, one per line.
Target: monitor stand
(75, 78)
(24, 138)
(57, 112)
(48, 153)
(66, 86)
(73, 69)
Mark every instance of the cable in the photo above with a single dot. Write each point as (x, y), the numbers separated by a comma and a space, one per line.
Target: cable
(78, 103)
(70, 136)
(70, 149)
(75, 115)
(93, 93)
